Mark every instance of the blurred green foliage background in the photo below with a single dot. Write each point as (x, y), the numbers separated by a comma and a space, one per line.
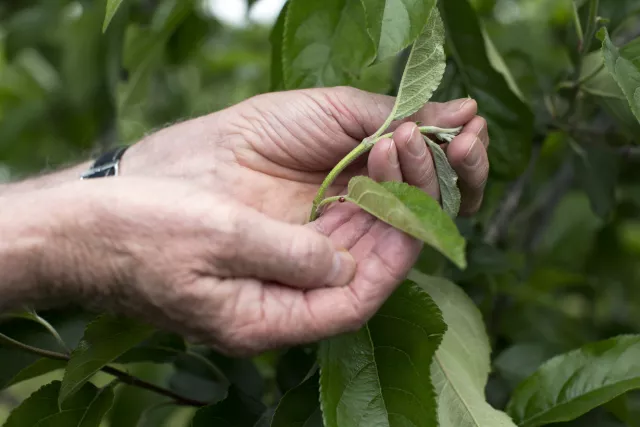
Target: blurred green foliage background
(558, 276)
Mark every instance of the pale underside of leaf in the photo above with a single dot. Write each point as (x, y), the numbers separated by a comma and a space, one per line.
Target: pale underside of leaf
(424, 69)
(447, 178)
(395, 24)
(422, 73)
(461, 366)
(411, 210)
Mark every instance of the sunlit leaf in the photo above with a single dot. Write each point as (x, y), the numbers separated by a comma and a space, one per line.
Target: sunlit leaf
(447, 178)
(572, 384)
(326, 43)
(412, 211)
(624, 71)
(510, 121)
(378, 376)
(105, 339)
(461, 366)
(112, 8)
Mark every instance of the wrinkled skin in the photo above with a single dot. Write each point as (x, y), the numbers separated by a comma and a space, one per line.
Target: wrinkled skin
(203, 233)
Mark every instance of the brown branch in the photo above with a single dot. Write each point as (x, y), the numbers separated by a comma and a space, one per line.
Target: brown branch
(123, 376)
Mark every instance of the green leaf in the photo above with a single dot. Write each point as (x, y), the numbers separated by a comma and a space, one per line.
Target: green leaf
(37, 369)
(276, 39)
(412, 211)
(423, 72)
(447, 178)
(598, 168)
(395, 24)
(378, 376)
(510, 121)
(98, 408)
(161, 347)
(105, 339)
(144, 48)
(112, 8)
(461, 366)
(571, 384)
(624, 71)
(237, 410)
(85, 409)
(300, 406)
(326, 43)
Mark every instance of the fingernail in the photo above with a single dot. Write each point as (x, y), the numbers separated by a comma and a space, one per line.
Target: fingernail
(343, 269)
(392, 154)
(459, 104)
(416, 146)
(474, 153)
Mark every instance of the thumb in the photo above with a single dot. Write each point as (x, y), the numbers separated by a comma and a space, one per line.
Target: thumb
(293, 255)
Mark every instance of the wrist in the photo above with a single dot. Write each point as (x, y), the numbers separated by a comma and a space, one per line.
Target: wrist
(24, 238)
(45, 181)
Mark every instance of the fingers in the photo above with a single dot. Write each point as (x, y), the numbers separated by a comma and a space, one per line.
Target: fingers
(447, 115)
(361, 113)
(293, 255)
(384, 257)
(416, 161)
(467, 154)
(384, 164)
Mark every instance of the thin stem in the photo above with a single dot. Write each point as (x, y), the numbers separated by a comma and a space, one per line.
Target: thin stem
(52, 331)
(577, 24)
(124, 377)
(367, 144)
(334, 199)
(361, 149)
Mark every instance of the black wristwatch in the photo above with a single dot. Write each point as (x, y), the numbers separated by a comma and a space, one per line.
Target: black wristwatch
(106, 165)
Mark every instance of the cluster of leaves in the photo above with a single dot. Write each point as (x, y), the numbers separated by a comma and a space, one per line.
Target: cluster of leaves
(538, 329)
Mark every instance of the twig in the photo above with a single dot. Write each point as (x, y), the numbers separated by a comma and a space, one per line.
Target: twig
(547, 203)
(502, 218)
(629, 152)
(124, 377)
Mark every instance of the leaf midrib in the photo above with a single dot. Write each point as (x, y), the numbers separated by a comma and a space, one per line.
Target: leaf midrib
(464, 402)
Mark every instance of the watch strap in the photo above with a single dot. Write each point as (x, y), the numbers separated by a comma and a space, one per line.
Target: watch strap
(106, 165)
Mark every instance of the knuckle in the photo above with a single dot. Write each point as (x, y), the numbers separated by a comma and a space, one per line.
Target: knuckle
(426, 175)
(479, 180)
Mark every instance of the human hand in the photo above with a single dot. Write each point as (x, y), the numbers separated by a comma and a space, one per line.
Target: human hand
(273, 151)
(203, 265)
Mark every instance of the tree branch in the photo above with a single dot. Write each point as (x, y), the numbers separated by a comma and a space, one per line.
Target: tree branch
(123, 376)
(502, 218)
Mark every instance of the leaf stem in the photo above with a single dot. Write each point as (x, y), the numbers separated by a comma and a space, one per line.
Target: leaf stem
(124, 377)
(444, 134)
(360, 149)
(334, 199)
(45, 324)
